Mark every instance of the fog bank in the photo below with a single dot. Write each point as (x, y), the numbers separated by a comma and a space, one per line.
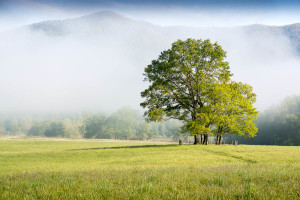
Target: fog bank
(96, 62)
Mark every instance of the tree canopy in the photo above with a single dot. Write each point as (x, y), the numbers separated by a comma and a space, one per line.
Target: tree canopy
(192, 82)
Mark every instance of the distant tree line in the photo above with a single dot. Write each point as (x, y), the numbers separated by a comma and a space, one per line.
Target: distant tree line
(126, 124)
(279, 125)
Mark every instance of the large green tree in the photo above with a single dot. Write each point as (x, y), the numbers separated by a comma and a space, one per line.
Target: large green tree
(191, 82)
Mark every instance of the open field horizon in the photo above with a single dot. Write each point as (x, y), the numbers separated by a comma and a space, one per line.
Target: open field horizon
(134, 170)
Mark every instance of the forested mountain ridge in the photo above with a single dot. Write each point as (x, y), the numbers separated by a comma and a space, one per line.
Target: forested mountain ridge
(102, 22)
(110, 24)
(291, 31)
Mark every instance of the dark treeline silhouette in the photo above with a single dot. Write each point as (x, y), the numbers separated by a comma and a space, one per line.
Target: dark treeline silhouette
(279, 125)
(126, 123)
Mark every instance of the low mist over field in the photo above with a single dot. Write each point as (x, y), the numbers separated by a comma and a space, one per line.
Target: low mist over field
(79, 59)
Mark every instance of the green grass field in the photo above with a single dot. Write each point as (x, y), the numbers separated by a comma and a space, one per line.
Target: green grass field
(136, 170)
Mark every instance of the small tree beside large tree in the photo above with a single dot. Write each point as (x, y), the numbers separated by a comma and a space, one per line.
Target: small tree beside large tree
(191, 82)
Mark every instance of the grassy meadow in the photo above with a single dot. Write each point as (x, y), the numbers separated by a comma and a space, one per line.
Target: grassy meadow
(31, 169)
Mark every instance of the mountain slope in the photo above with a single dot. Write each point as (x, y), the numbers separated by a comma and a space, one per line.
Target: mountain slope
(293, 32)
(110, 24)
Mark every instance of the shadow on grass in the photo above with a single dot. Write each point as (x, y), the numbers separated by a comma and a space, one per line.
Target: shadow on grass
(125, 147)
(231, 156)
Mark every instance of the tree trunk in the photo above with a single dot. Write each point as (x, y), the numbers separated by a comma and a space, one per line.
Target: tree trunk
(205, 141)
(218, 142)
(196, 137)
(201, 139)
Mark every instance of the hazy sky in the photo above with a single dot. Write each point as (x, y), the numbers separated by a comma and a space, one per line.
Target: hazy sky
(41, 73)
